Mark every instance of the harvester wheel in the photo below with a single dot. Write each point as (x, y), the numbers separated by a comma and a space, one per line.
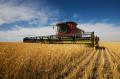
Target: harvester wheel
(97, 47)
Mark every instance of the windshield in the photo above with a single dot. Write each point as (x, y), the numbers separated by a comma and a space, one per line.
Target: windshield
(62, 29)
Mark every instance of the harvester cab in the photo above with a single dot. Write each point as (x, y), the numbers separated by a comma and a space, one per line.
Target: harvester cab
(68, 28)
(67, 32)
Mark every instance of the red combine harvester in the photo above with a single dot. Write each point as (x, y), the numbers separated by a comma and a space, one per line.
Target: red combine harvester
(67, 32)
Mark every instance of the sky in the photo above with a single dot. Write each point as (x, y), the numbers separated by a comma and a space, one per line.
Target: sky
(21, 18)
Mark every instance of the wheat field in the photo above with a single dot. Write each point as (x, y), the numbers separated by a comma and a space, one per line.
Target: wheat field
(59, 61)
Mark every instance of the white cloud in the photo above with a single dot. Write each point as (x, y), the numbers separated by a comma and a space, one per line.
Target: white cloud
(12, 10)
(106, 32)
(18, 35)
(10, 13)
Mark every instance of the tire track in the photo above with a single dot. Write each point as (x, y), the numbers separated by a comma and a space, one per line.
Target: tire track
(101, 66)
(65, 72)
(89, 67)
(108, 74)
(86, 69)
(78, 70)
(94, 72)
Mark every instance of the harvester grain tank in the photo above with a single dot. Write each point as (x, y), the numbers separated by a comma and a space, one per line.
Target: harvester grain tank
(67, 32)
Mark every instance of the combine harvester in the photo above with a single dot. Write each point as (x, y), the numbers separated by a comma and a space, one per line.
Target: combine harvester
(67, 33)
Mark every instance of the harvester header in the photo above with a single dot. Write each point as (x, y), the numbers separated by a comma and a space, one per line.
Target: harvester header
(67, 32)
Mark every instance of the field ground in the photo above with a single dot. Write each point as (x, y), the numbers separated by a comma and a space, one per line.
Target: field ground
(64, 61)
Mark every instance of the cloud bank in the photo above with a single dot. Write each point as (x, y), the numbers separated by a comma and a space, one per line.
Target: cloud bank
(106, 32)
(24, 13)
(18, 35)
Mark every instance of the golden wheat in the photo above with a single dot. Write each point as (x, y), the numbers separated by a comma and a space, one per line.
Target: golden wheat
(59, 61)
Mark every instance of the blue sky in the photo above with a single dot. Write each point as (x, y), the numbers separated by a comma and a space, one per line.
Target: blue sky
(97, 10)
(20, 18)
